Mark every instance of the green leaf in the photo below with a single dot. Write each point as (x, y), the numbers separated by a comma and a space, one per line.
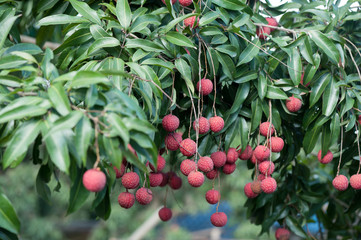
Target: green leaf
(208, 18)
(244, 132)
(306, 51)
(174, 22)
(20, 142)
(103, 43)
(84, 9)
(323, 42)
(227, 64)
(310, 139)
(295, 227)
(8, 218)
(113, 150)
(325, 139)
(124, 14)
(6, 26)
(185, 71)
(24, 47)
(247, 76)
(227, 49)
(249, 52)
(159, 62)
(59, 99)
(83, 134)
(179, 39)
(241, 95)
(118, 127)
(65, 122)
(59, 19)
(86, 78)
(11, 61)
(144, 44)
(318, 88)
(78, 193)
(262, 85)
(256, 114)
(21, 112)
(98, 32)
(275, 93)
(294, 66)
(230, 4)
(330, 98)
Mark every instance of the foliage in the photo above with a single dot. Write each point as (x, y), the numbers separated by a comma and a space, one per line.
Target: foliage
(122, 66)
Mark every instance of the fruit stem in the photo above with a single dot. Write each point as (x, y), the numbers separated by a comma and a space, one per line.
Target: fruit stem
(96, 144)
(339, 161)
(219, 190)
(358, 148)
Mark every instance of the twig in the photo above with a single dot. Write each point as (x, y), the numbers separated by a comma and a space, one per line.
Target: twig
(354, 62)
(96, 144)
(353, 45)
(339, 161)
(279, 28)
(358, 148)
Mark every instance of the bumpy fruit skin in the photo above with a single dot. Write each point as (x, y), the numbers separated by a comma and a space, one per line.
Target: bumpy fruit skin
(246, 154)
(272, 22)
(188, 147)
(120, 172)
(196, 179)
(130, 180)
(355, 181)
(232, 155)
(205, 164)
(213, 196)
(170, 123)
(229, 168)
(144, 196)
(172, 141)
(160, 164)
(282, 234)
(165, 214)
(94, 180)
(254, 159)
(340, 182)
(165, 180)
(248, 191)
(216, 124)
(359, 119)
(206, 86)
(326, 159)
(263, 166)
(187, 166)
(263, 129)
(269, 185)
(203, 125)
(219, 219)
(256, 187)
(262, 32)
(175, 182)
(190, 22)
(219, 158)
(293, 104)
(212, 174)
(126, 200)
(261, 177)
(276, 144)
(185, 3)
(261, 152)
(155, 179)
(173, 1)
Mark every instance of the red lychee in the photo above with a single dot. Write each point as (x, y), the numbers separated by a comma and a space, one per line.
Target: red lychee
(269, 185)
(261, 152)
(126, 200)
(205, 164)
(144, 196)
(256, 187)
(340, 182)
(246, 154)
(160, 164)
(190, 22)
(203, 125)
(94, 180)
(272, 22)
(165, 179)
(188, 147)
(170, 123)
(276, 144)
(212, 174)
(213, 196)
(248, 191)
(120, 172)
(155, 179)
(326, 159)
(175, 182)
(355, 181)
(172, 141)
(261, 177)
(254, 159)
(173, 1)
(263, 166)
(282, 234)
(219, 158)
(187, 166)
(165, 214)
(264, 127)
(216, 123)
(207, 86)
(229, 168)
(293, 104)
(130, 180)
(196, 179)
(185, 3)
(263, 32)
(359, 119)
(232, 155)
(219, 219)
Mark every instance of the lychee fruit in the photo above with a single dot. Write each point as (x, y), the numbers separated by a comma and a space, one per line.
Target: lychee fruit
(254, 159)
(170, 123)
(187, 166)
(173, 1)
(340, 182)
(269, 185)
(94, 180)
(203, 125)
(165, 179)
(155, 179)
(130, 180)
(120, 172)
(172, 141)
(232, 155)
(256, 187)
(206, 85)
(126, 200)
(263, 32)
(266, 165)
(355, 181)
(165, 214)
(272, 22)
(219, 158)
(196, 179)
(229, 168)
(326, 159)
(216, 123)
(293, 104)
(190, 22)
(185, 3)
(188, 147)
(212, 174)
(261, 152)
(261, 177)
(248, 191)
(264, 127)
(246, 154)
(213, 196)
(276, 144)
(219, 219)
(160, 164)
(359, 119)
(144, 196)
(282, 234)
(205, 164)
(175, 182)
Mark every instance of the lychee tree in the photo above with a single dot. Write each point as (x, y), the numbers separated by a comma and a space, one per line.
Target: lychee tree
(147, 93)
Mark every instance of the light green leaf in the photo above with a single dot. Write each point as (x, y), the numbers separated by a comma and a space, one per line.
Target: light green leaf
(8, 218)
(86, 78)
(59, 99)
(83, 133)
(174, 22)
(64, 123)
(21, 112)
(318, 88)
(185, 71)
(144, 44)
(84, 9)
(59, 19)
(102, 43)
(294, 66)
(330, 98)
(262, 86)
(6, 26)
(159, 62)
(124, 14)
(230, 4)
(98, 32)
(118, 127)
(208, 18)
(249, 52)
(275, 93)
(179, 39)
(323, 42)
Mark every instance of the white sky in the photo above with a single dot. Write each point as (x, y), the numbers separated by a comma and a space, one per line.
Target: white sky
(279, 2)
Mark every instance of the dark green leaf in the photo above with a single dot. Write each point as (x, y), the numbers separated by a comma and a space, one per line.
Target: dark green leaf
(78, 193)
(275, 93)
(59, 99)
(295, 66)
(179, 39)
(318, 88)
(323, 42)
(330, 98)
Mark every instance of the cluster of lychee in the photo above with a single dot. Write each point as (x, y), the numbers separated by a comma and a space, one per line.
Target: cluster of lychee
(263, 32)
